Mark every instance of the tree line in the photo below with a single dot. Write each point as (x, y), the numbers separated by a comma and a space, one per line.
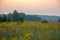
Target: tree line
(16, 18)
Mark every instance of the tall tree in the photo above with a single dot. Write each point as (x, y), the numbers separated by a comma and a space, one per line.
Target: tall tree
(4, 18)
(15, 15)
(0, 19)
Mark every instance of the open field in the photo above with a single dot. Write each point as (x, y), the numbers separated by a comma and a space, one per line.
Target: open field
(29, 31)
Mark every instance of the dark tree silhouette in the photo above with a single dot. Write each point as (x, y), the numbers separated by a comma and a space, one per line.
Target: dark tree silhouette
(59, 20)
(20, 19)
(1, 19)
(4, 18)
(15, 15)
(44, 21)
(9, 20)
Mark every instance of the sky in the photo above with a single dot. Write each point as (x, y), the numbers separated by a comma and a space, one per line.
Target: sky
(32, 7)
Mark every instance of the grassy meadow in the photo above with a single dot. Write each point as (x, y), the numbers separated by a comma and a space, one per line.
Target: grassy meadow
(29, 31)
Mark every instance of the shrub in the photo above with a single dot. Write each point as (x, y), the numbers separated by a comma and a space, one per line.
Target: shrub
(44, 21)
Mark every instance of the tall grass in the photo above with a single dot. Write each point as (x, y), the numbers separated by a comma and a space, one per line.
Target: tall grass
(29, 31)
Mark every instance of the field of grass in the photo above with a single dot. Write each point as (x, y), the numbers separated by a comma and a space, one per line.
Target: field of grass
(29, 31)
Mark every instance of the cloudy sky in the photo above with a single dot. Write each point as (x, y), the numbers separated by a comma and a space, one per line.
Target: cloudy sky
(33, 7)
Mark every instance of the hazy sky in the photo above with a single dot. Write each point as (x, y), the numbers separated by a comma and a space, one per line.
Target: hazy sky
(45, 7)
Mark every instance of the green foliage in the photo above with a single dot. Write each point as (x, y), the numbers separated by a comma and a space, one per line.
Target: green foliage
(20, 19)
(15, 15)
(44, 21)
(59, 20)
(4, 18)
(0, 19)
(9, 20)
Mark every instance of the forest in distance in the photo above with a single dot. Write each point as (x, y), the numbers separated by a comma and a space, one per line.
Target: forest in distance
(15, 16)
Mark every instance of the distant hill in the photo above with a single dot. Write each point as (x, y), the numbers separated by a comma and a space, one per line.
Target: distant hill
(41, 17)
(50, 18)
(32, 18)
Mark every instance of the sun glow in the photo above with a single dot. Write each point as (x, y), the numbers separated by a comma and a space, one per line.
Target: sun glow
(6, 13)
(30, 3)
